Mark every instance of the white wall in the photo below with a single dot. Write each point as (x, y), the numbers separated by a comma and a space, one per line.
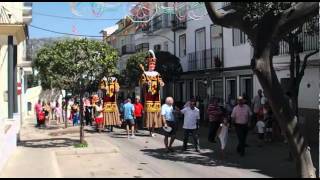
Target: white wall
(3, 75)
(235, 55)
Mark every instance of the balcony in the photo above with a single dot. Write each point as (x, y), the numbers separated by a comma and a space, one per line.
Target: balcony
(128, 49)
(205, 59)
(178, 24)
(309, 42)
(159, 22)
(226, 6)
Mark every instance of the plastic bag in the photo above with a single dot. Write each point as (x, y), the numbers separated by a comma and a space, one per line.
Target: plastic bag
(223, 135)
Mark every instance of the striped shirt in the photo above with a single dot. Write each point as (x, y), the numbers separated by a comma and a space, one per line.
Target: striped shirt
(215, 113)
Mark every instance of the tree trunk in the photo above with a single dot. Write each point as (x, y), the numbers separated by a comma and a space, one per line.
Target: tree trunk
(81, 117)
(267, 77)
(66, 111)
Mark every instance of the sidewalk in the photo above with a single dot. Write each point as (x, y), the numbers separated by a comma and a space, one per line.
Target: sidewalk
(39, 150)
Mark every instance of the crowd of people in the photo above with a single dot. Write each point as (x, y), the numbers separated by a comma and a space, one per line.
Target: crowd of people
(238, 115)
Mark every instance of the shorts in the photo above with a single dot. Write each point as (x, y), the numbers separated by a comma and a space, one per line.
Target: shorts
(129, 121)
(174, 127)
(99, 120)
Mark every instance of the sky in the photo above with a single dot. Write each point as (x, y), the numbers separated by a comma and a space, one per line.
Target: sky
(73, 26)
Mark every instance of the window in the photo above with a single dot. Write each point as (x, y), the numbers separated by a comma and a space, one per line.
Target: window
(142, 47)
(165, 46)
(238, 37)
(179, 92)
(157, 47)
(182, 45)
(231, 89)
(216, 36)
(217, 89)
(246, 87)
(200, 39)
(189, 89)
(201, 89)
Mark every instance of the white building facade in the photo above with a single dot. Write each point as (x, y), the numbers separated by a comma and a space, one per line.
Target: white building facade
(14, 18)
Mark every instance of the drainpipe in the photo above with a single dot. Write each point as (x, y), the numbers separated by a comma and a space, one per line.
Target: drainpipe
(10, 77)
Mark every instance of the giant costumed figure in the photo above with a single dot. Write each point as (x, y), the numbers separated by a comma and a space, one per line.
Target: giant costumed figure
(151, 82)
(111, 113)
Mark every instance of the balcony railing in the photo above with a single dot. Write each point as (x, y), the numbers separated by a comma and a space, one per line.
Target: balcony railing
(161, 21)
(309, 42)
(226, 6)
(205, 59)
(179, 24)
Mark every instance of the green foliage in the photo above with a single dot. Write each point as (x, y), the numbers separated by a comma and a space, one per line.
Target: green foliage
(133, 72)
(168, 65)
(64, 63)
(81, 145)
(256, 10)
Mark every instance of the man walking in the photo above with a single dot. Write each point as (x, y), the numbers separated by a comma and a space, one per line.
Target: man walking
(240, 115)
(216, 115)
(169, 121)
(129, 117)
(138, 111)
(191, 125)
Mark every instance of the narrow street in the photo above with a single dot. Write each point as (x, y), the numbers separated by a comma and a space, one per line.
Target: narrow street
(50, 153)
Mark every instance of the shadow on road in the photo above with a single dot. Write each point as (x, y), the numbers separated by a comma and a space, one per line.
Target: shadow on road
(48, 143)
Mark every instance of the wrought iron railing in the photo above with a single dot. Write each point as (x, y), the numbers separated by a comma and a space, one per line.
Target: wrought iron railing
(309, 41)
(205, 59)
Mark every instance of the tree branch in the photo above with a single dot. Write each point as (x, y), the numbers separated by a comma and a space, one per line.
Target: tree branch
(296, 16)
(231, 19)
(304, 65)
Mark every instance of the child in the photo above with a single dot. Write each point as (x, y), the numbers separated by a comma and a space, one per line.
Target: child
(268, 120)
(223, 135)
(260, 127)
(98, 116)
(76, 116)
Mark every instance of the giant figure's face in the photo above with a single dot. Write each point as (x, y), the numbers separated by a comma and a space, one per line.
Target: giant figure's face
(152, 66)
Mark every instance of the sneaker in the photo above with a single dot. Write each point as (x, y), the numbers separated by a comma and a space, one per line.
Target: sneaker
(153, 135)
(133, 136)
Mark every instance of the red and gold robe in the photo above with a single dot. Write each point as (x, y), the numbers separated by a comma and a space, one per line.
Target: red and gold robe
(150, 82)
(111, 113)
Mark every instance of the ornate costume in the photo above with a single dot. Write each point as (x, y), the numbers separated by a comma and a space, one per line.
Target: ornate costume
(151, 82)
(111, 114)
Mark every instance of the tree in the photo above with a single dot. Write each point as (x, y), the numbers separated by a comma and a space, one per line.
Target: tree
(75, 65)
(265, 24)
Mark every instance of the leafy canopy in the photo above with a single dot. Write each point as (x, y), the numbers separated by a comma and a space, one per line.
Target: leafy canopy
(64, 63)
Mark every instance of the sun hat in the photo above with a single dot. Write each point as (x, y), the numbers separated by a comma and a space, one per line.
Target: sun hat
(167, 129)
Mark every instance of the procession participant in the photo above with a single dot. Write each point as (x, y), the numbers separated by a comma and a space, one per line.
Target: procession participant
(98, 117)
(111, 113)
(151, 82)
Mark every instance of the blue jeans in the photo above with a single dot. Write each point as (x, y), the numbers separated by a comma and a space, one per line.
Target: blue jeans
(195, 136)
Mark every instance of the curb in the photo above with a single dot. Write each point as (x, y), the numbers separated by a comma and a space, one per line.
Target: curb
(56, 165)
(87, 151)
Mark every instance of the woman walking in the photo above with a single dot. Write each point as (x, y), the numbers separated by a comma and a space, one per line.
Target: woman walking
(58, 112)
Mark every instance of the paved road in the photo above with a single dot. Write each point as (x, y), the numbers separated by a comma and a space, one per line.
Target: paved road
(50, 153)
(150, 154)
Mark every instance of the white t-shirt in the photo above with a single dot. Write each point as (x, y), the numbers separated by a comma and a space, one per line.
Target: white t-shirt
(260, 126)
(190, 117)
